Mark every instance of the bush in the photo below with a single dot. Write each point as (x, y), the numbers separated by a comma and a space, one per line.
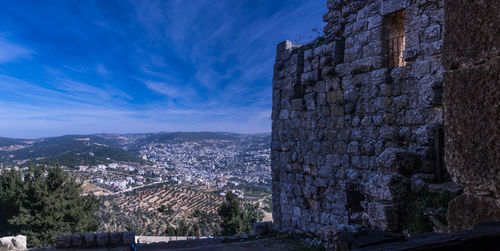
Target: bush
(421, 206)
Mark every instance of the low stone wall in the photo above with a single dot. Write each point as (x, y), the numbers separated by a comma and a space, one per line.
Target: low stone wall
(96, 240)
(153, 239)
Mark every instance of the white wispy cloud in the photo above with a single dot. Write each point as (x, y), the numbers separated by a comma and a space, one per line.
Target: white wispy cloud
(157, 65)
(10, 51)
(170, 90)
(101, 69)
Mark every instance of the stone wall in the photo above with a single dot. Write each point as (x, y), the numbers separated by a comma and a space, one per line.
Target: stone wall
(104, 241)
(472, 104)
(341, 116)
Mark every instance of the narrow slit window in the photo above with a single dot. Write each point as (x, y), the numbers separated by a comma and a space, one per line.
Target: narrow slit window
(354, 192)
(441, 173)
(395, 38)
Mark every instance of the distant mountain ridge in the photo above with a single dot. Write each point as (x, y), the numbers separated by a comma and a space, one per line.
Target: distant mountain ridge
(75, 150)
(189, 136)
(11, 141)
(68, 150)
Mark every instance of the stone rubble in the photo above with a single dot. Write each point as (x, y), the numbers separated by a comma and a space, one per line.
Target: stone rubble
(13, 243)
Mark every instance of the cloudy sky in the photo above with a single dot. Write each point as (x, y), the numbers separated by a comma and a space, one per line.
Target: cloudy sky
(80, 67)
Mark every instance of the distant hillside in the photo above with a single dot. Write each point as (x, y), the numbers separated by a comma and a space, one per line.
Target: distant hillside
(9, 142)
(71, 150)
(187, 136)
(75, 150)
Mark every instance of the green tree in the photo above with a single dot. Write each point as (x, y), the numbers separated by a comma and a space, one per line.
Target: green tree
(235, 220)
(250, 217)
(47, 203)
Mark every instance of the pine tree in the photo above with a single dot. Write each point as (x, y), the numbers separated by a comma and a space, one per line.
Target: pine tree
(234, 219)
(46, 204)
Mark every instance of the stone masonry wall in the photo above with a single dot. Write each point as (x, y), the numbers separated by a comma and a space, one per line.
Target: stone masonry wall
(341, 115)
(472, 104)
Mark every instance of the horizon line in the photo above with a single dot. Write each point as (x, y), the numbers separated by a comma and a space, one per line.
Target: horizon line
(128, 133)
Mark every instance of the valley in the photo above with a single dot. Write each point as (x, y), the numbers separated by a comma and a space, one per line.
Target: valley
(157, 182)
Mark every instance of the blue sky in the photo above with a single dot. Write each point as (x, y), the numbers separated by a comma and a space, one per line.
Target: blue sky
(81, 67)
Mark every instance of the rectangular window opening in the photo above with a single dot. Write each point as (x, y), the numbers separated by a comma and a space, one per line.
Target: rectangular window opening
(355, 195)
(395, 38)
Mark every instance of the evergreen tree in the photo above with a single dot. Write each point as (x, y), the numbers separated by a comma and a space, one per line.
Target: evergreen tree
(47, 203)
(235, 220)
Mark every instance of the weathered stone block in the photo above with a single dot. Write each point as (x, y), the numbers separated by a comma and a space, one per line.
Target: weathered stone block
(310, 101)
(433, 48)
(362, 39)
(415, 117)
(392, 187)
(419, 22)
(473, 38)
(390, 6)
(283, 50)
(340, 147)
(360, 25)
(297, 104)
(446, 187)
(343, 69)
(296, 211)
(337, 110)
(116, 238)
(419, 181)
(473, 126)
(388, 132)
(373, 49)
(384, 216)
(336, 97)
(352, 54)
(396, 161)
(310, 77)
(432, 33)
(378, 76)
(353, 148)
(102, 239)
(374, 22)
(327, 71)
(63, 241)
(467, 210)
(89, 239)
(308, 55)
(362, 65)
(13, 243)
(284, 114)
(76, 240)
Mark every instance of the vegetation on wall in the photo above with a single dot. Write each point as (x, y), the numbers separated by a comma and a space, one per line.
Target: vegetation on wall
(424, 206)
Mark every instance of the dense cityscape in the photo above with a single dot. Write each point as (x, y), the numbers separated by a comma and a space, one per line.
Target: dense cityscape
(206, 160)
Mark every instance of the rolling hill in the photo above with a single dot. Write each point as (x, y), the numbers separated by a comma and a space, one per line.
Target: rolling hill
(69, 150)
(76, 150)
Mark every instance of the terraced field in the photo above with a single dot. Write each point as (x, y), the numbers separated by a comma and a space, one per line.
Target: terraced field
(151, 210)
